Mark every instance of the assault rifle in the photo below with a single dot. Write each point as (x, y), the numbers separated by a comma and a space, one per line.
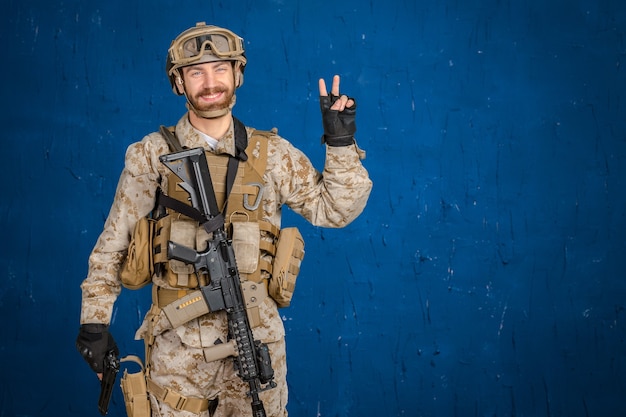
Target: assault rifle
(111, 368)
(224, 290)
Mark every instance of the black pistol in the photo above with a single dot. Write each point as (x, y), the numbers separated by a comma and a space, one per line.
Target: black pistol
(111, 368)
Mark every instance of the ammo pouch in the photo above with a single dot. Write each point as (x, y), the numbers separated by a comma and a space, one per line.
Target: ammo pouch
(135, 390)
(181, 230)
(136, 272)
(246, 246)
(289, 255)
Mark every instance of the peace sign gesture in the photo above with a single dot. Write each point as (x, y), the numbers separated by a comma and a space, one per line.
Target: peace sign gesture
(338, 115)
(341, 102)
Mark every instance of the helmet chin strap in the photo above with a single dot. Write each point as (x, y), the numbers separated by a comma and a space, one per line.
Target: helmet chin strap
(211, 114)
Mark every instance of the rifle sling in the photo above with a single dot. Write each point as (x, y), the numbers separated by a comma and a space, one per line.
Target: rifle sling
(178, 206)
(171, 139)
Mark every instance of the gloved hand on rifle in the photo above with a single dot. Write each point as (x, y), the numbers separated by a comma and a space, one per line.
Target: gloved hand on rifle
(338, 115)
(93, 343)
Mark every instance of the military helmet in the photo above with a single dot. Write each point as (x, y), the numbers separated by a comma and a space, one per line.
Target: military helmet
(200, 44)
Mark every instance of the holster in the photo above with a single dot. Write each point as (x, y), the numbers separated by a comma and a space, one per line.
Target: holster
(135, 390)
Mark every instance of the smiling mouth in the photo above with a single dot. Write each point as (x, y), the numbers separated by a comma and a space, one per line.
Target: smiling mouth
(212, 97)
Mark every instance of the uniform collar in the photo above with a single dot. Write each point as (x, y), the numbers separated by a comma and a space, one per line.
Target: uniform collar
(190, 137)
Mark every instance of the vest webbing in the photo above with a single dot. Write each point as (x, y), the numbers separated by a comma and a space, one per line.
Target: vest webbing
(246, 180)
(247, 190)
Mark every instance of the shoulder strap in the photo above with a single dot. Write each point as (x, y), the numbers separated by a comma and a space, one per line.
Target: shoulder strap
(241, 140)
(169, 134)
(241, 143)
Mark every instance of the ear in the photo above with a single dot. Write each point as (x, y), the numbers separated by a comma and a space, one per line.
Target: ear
(180, 85)
(238, 78)
(237, 74)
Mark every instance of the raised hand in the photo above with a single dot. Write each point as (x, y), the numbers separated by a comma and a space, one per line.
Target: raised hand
(338, 115)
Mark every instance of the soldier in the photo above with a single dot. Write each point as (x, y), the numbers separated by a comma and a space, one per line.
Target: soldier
(206, 65)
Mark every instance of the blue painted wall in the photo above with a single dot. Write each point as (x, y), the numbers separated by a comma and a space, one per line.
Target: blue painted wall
(485, 277)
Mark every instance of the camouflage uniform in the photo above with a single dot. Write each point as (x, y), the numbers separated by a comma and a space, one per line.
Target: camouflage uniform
(332, 198)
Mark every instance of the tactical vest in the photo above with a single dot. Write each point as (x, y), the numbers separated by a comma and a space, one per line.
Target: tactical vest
(263, 253)
(243, 216)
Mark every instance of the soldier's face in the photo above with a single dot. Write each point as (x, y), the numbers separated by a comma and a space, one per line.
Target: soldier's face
(209, 86)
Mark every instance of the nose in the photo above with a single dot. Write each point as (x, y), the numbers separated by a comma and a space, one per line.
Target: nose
(209, 80)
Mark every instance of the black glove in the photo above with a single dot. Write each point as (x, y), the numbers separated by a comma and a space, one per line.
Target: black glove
(93, 343)
(339, 127)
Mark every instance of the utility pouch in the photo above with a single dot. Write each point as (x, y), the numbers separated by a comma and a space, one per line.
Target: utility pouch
(289, 255)
(136, 272)
(246, 241)
(135, 390)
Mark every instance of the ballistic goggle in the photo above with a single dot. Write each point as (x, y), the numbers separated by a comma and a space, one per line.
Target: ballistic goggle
(204, 43)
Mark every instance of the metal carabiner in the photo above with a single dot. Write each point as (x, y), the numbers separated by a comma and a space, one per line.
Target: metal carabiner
(256, 203)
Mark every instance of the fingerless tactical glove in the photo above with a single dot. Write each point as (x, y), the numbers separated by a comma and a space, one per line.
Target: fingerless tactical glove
(339, 127)
(93, 343)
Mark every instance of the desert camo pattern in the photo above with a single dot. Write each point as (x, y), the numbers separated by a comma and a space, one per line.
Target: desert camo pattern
(332, 198)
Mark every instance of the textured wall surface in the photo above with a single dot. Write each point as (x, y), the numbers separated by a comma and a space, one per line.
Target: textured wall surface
(485, 277)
